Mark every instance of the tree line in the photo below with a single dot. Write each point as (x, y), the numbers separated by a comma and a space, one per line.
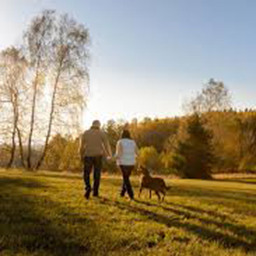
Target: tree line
(202, 142)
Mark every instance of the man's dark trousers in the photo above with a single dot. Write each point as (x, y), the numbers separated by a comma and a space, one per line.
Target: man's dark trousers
(95, 163)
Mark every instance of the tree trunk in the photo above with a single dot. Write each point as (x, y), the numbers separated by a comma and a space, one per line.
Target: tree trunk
(39, 163)
(13, 147)
(32, 122)
(15, 120)
(21, 147)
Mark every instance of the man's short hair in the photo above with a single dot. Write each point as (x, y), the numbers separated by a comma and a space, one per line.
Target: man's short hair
(96, 123)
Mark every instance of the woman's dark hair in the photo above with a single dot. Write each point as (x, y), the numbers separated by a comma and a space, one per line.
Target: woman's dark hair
(126, 134)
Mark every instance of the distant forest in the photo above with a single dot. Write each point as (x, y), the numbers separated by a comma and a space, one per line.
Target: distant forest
(224, 140)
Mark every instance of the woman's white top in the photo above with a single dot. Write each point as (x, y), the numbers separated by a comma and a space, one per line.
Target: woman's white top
(126, 152)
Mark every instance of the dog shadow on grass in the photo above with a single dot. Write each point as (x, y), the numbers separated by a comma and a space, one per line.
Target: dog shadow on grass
(243, 238)
(27, 227)
(248, 196)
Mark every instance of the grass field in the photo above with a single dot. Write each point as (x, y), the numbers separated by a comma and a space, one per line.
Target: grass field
(46, 214)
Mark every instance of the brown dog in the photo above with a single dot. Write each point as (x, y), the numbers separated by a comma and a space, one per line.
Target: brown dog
(156, 184)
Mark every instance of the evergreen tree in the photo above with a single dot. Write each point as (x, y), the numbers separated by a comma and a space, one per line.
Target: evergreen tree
(194, 148)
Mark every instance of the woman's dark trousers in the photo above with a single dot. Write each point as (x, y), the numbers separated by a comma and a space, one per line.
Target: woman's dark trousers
(126, 187)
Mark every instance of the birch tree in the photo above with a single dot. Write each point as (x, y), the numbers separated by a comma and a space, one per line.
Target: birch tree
(58, 49)
(68, 76)
(37, 42)
(13, 67)
(52, 64)
(213, 97)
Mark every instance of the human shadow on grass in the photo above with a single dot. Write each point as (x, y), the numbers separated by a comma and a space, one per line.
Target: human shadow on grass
(211, 213)
(58, 176)
(180, 221)
(245, 181)
(19, 182)
(188, 210)
(211, 218)
(199, 192)
(24, 226)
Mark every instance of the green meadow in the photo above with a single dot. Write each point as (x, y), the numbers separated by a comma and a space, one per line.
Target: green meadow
(45, 213)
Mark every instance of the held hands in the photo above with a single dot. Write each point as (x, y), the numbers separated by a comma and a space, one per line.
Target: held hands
(109, 158)
(112, 158)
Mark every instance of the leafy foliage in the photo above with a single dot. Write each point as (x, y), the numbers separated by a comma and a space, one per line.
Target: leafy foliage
(149, 157)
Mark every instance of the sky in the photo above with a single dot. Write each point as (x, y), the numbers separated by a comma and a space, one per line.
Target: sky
(149, 56)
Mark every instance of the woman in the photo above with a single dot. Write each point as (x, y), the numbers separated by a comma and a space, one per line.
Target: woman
(126, 152)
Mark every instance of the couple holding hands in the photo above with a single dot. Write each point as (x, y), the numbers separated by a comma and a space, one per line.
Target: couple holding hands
(94, 143)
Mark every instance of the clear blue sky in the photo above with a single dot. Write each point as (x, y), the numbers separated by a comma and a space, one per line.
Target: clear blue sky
(148, 56)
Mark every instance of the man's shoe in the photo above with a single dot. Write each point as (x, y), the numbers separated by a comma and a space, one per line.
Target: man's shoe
(131, 199)
(87, 194)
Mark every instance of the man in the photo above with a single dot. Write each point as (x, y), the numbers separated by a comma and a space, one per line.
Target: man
(94, 144)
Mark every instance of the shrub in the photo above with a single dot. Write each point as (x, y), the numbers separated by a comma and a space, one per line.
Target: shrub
(149, 158)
